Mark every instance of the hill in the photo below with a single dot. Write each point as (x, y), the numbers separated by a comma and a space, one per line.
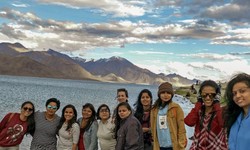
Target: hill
(18, 60)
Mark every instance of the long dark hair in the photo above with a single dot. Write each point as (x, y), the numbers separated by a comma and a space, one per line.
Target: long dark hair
(138, 105)
(118, 118)
(30, 119)
(232, 110)
(216, 87)
(62, 120)
(93, 116)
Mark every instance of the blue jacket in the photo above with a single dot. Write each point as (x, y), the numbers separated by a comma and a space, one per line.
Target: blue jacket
(90, 136)
(239, 136)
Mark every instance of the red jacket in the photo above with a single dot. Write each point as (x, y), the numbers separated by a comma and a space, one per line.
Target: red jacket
(207, 136)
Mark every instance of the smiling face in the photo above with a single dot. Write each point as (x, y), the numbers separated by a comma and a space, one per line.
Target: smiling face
(86, 113)
(27, 110)
(121, 96)
(51, 108)
(241, 95)
(68, 114)
(145, 99)
(208, 93)
(165, 96)
(123, 112)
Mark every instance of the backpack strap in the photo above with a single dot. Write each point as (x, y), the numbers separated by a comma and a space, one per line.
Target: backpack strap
(11, 115)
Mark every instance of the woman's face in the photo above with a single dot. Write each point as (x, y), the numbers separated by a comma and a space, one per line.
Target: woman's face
(165, 96)
(68, 114)
(104, 113)
(123, 112)
(27, 110)
(121, 96)
(145, 99)
(241, 94)
(208, 94)
(86, 113)
(51, 108)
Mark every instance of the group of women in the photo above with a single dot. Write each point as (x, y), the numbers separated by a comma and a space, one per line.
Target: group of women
(158, 126)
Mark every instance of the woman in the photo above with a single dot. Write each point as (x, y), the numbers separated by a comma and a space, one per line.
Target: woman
(47, 121)
(206, 116)
(128, 130)
(88, 128)
(237, 114)
(167, 121)
(105, 131)
(121, 96)
(142, 113)
(15, 125)
(68, 129)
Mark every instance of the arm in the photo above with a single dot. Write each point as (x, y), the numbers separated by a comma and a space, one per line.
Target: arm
(93, 143)
(133, 135)
(4, 121)
(192, 118)
(76, 133)
(181, 131)
(74, 146)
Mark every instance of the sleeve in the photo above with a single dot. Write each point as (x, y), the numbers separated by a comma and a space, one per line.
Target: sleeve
(93, 137)
(133, 135)
(4, 121)
(76, 133)
(181, 133)
(153, 124)
(192, 118)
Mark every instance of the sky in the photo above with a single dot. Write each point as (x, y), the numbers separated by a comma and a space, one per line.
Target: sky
(196, 39)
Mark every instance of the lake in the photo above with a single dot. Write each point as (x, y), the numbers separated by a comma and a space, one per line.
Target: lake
(14, 90)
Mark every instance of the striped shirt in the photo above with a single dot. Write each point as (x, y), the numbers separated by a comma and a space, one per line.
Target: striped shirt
(44, 137)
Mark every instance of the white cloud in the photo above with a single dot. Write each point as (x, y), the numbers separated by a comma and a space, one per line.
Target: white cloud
(150, 52)
(213, 56)
(20, 5)
(214, 70)
(115, 7)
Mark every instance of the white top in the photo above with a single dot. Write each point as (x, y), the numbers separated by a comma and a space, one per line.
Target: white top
(105, 135)
(67, 138)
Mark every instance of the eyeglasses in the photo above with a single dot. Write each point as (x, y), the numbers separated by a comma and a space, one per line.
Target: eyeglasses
(52, 107)
(211, 95)
(27, 109)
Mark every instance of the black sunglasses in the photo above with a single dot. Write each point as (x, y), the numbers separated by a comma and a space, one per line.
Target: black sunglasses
(26, 108)
(211, 95)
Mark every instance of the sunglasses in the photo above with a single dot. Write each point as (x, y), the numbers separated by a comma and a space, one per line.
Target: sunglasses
(52, 107)
(211, 95)
(27, 109)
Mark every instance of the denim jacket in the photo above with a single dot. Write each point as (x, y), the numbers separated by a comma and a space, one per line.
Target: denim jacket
(90, 136)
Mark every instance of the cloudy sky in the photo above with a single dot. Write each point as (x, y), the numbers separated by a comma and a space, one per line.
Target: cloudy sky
(203, 39)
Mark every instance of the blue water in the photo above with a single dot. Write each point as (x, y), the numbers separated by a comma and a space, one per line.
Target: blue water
(14, 90)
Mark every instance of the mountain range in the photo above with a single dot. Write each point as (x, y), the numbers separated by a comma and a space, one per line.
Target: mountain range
(15, 59)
